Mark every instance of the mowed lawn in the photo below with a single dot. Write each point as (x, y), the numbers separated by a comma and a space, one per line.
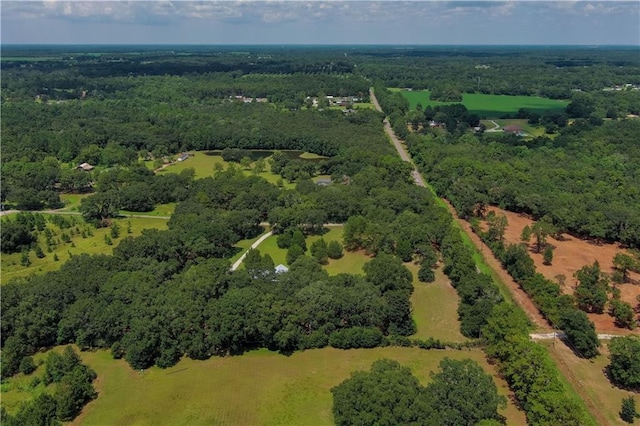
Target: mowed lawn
(204, 166)
(95, 244)
(350, 263)
(435, 307)
(490, 106)
(257, 388)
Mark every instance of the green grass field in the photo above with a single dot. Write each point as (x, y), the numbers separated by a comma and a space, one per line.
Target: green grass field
(490, 106)
(163, 210)
(349, 263)
(435, 308)
(95, 244)
(72, 201)
(257, 388)
(204, 166)
(598, 394)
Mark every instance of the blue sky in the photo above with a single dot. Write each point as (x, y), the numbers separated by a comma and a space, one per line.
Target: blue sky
(321, 22)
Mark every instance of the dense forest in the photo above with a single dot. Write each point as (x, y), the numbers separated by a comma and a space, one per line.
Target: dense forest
(585, 180)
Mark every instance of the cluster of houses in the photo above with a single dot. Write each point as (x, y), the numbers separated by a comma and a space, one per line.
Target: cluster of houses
(343, 101)
(246, 99)
(620, 87)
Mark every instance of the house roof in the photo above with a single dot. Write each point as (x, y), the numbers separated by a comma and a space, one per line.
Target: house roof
(85, 166)
(512, 128)
(323, 181)
(281, 268)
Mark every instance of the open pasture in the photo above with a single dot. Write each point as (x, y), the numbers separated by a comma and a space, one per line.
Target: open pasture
(90, 244)
(490, 106)
(204, 165)
(434, 308)
(257, 388)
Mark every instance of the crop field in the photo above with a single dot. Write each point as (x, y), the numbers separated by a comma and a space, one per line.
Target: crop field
(434, 307)
(259, 387)
(90, 244)
(489, 106)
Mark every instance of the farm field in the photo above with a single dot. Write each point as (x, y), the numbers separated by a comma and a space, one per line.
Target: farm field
(434, 307)
(489, 106)
(92, 244)
(259, 387)
(571, 254)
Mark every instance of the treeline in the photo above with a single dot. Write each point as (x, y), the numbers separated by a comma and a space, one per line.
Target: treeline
(582, 180)
(548, 72)
(72, 390)
(459, 393)
(529, 370)
(561, 311)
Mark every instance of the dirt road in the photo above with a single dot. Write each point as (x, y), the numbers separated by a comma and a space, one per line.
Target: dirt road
(519, 296)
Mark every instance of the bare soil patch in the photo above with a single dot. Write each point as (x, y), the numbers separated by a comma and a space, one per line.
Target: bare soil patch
(570, 254)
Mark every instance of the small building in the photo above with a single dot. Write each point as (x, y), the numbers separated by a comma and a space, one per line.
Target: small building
(183, 156)
(281, 269)
(323, 181)
(513, 129)
(86, 167)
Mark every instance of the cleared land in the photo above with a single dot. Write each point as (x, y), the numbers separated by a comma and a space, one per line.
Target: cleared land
(435, 307)
(94, 244)
(204, 164)
(490, 106)
(570, 254)
(531, 131)
(257, 388)
(350, 263)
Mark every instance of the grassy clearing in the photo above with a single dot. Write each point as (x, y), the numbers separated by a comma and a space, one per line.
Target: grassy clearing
(435, 308)
(95, 244)
(491, 106)
(349, 263)
(163, 210)
(531, 131)
(204, 166)
(259, 387)
(72, 201)
(596, 393)
(244, 245)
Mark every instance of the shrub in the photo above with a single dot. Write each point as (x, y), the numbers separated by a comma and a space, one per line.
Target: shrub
(334, 249)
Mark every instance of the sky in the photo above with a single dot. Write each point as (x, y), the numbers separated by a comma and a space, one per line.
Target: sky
(426, 22)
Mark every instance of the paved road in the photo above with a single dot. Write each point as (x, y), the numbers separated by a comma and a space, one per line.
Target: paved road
(495, 129)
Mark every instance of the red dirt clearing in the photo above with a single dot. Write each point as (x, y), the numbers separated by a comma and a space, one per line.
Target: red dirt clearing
(569, 255)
